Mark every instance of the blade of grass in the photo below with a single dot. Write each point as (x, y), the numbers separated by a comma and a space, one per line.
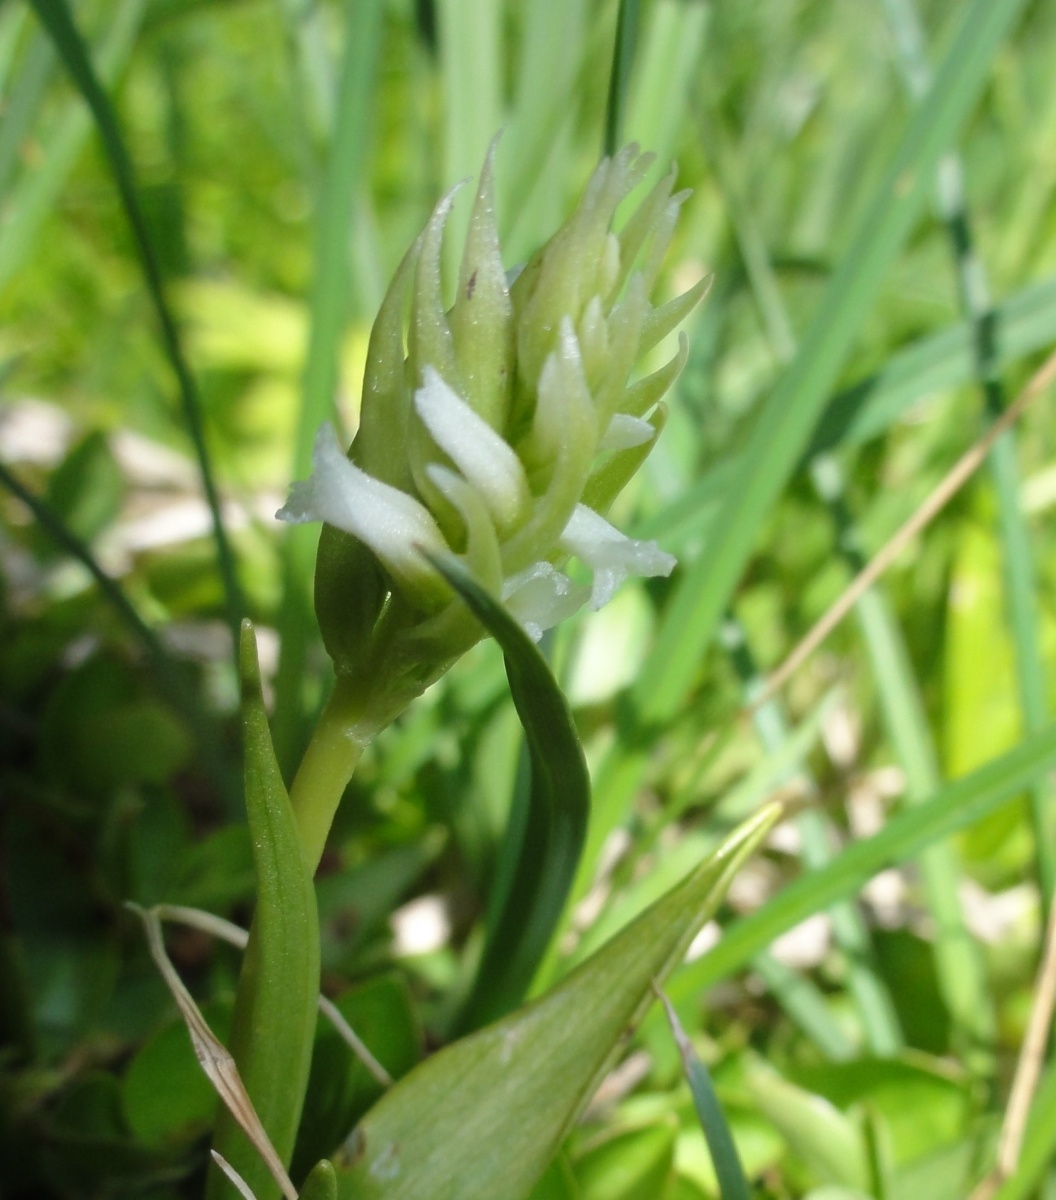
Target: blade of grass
(56, 18)
(1038, 1147)
(22, 102)
(1023, 324)
(783, 428)
(669, 57)
(346, 164)
(545, 99)
(627, 17)
(724, 1156)
(471, 69)
(955, 807)
(958, 964)
(879, 1021)
(954, 479)
(1017, 559)
(33, 194)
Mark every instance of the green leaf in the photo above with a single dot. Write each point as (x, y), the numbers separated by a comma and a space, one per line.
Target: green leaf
(321, 1184)
(165, 1094)
(85, 491)
(275, 1011)
(340, 1088)
(484, 1117)
(545, 840)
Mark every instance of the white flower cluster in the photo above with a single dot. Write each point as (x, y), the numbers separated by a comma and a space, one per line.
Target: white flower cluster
(501, 429)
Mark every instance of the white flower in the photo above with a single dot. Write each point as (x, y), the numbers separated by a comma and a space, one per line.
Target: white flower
(394, 525)
(611, 554)
(496, 429)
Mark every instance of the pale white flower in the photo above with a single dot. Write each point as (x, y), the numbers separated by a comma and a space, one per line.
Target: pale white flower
(610, 554)
(497, 430)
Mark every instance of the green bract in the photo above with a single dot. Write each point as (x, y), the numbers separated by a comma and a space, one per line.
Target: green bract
(498, 431)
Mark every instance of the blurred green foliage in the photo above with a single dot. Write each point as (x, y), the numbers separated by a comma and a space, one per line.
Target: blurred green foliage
(116, 765)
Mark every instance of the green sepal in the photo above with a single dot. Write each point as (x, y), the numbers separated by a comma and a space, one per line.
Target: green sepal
(350, 592)
(278, 989)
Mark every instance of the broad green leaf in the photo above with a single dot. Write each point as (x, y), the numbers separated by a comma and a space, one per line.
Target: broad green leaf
(922, 1103)
(275, 1011)
(545, 840)
(485, 1116)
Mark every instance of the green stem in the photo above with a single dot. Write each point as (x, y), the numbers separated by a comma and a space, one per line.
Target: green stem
(343, 731)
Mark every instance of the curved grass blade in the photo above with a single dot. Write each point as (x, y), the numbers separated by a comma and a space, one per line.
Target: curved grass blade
(1022, 325)
(484, 1117)
(216, 1061)
(56, 18)
(724, 1156)
(956, 806)
(275, 1009)
(548, 840)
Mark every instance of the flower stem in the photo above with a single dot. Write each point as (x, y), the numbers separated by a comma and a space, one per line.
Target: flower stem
(343, 731)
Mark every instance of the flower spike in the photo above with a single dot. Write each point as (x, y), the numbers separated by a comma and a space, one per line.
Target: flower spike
(498, 431)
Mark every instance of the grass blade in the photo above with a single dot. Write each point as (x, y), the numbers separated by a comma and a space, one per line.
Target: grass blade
(620, 76)
(1017, 559)
(724, 1156)
(783, 427)
(56, 18)
(956, 806)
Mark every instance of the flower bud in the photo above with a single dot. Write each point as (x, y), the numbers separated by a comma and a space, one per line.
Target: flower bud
(499, 430)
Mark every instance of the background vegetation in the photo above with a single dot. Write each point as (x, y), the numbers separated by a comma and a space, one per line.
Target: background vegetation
(862, 1014)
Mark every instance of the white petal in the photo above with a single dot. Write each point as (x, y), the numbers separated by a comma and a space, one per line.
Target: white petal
(625, 431)
(540, 596)
(394, 525)
(483, 457)
(610, 554)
